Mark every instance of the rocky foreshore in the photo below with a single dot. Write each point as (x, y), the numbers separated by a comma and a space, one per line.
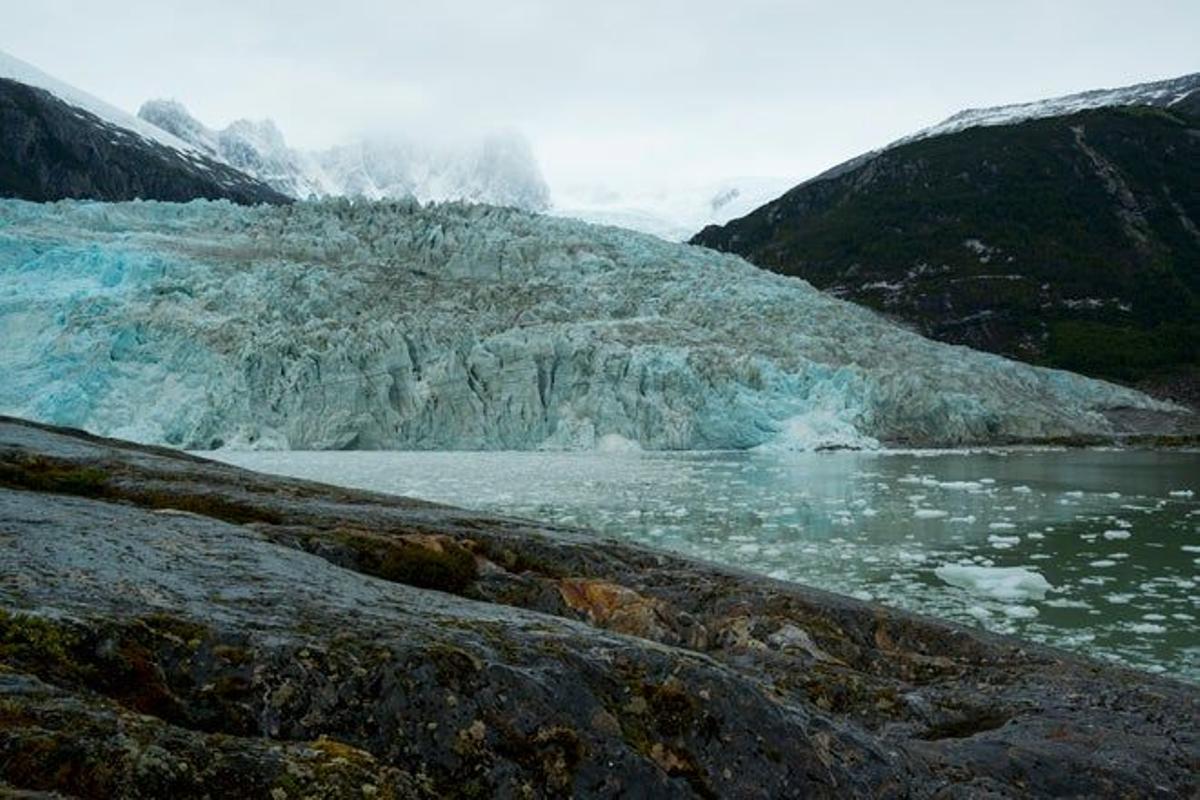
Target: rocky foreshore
(173, 627)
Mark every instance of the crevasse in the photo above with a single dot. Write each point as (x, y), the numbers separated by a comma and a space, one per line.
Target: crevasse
(395, 325)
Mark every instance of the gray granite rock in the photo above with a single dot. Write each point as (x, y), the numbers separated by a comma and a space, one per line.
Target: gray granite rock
(176, 627)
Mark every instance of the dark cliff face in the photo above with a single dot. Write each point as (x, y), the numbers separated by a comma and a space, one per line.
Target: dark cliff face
(1071, 241)
(50, 150)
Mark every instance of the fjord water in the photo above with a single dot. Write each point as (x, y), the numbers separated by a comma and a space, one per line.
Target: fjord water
(1096, 551)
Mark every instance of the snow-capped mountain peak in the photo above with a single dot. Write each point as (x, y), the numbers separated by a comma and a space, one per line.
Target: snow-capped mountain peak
(256, 147)
(498, 168)
(1163, 93)
(59, 142)
(172, 117)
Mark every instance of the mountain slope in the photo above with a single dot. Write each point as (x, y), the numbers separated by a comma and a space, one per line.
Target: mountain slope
(20, 71)
(50, 150)
(59, 142)
(498, 169)
(1069, 241)
(256, 148)
(392, 325)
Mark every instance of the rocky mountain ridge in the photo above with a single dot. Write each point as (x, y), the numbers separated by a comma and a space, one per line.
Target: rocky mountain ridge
(498, 169)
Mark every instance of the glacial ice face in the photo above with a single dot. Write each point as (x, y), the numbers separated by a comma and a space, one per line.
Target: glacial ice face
(392, 325)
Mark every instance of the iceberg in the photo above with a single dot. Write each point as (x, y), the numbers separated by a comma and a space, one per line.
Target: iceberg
(396, 325)
(999, 583)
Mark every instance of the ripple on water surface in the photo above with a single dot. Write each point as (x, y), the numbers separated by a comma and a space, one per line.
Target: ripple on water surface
(1096, 551)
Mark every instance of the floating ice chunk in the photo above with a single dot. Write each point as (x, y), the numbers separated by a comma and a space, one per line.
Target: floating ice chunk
(819, 428)
(1064, 602)
(1004, 542)
(1002, 526)
(1101, 563)
(1020, 612)
(1181, 493)
(1035, 535)
(615, 443)
(969, 519)
(930, 513)
(1001, 583)
(963, 485)
(1117, 534)
(1022, 489)
(1190, 548)
(1074, 493)
(1146, 627)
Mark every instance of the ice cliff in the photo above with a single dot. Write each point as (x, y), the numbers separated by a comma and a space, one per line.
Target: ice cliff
(393, 325)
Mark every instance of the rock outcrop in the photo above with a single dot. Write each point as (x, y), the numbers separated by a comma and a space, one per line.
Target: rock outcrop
(175, 627)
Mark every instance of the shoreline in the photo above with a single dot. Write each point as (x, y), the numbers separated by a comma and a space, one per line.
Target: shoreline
(577, 664)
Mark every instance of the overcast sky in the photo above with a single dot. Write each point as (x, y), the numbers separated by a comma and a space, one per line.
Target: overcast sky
(608, 91)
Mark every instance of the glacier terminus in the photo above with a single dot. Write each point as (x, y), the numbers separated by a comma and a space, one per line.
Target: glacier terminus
(396, 325)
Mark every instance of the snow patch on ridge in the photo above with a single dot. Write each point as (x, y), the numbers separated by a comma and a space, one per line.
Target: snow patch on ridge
(1157, 93)
(15, 69)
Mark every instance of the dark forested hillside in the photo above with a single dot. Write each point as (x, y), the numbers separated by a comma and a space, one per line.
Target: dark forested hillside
(1070, 241)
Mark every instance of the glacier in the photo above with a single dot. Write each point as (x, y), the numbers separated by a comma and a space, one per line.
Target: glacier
(397, 325)
(673, 212)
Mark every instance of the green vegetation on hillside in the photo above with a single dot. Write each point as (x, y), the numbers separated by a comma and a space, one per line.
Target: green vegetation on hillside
(1072, 242)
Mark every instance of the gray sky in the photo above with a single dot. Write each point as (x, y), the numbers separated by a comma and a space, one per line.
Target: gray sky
(608, 91)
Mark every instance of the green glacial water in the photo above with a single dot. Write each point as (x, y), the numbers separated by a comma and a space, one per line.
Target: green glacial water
(1096, 551)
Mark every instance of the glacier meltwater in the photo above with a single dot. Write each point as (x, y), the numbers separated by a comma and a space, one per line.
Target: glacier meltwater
(396, 325)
